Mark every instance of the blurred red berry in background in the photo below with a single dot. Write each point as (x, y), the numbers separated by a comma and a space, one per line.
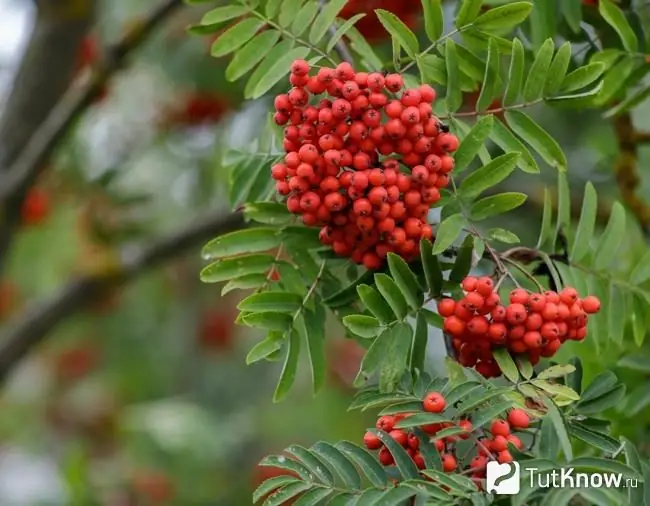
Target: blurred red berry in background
(36, 207)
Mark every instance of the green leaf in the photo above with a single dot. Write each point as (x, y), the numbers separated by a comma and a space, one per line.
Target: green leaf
(468, 12)
(313, 497)
(454, 97)
(325, 20)
(431, 266)
(556, 371)
(506, 364)
(538, 72)
(615, 79)
(490, 88)
(488, 176)
(463, 263)
(604, 465)
(288, 11)
(267, 64)
(515, 74)
(402, 460)
(244, 283)
(270, 321)
(448, 231)
(537, 138)
(221, 14)
(630, 102)
(342, 30)
(286, 493)
(373, 471)
(277, 70)
(399, 31)
(504, 16)
(268, 486)
(376, 304)
(558, 69)
(405, 280)
(462, 391)
(427, 488)
(586, 225)
(474, 402)
(503, 235)
(611, 239)
(363, 326)
(339, 462)
(556, 390)
(313, 333)
(572, 11)
(270, 213)
(282, 462)
(391, 292)
(488, 414)
(265, 348)
(368, 497)
(359, 44)
(264, 302)
(236, 36)
(496, 204)
(639, 328)
(231, 268)
(546, 230)
(473, 142)
(582, 77)
(524, 366)
(419, 348)
(433, 18)
(314, 463)
(290, 367)
(559, 425)
(395, 496)
(505, 139)
(598, 439)
(304, 17)
(641, 272)
(395, 362)
(616, 19)
(272, 8)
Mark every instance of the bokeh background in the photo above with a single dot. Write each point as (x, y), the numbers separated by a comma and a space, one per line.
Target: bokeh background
(144, 397)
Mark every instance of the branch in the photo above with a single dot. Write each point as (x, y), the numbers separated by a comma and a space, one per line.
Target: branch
(626, 168)
(31, 327)
(32, 159)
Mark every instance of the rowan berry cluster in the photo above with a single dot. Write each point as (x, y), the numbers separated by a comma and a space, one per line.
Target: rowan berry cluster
(492, 445)
(535, 324)
(365, 162)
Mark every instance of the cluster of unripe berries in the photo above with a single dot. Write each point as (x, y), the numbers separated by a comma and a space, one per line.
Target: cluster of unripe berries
(492, 446)
(365, 162)
(535, 324)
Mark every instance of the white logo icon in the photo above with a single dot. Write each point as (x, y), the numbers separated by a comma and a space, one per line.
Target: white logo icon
(503, 478)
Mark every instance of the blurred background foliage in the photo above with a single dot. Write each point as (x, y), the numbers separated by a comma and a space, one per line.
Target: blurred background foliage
(145, 398)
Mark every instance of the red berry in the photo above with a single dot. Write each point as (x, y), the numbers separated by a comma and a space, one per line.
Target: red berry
(434, 402)
(591, 304)
(518, 419)
(500, 428)
(371, 441)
